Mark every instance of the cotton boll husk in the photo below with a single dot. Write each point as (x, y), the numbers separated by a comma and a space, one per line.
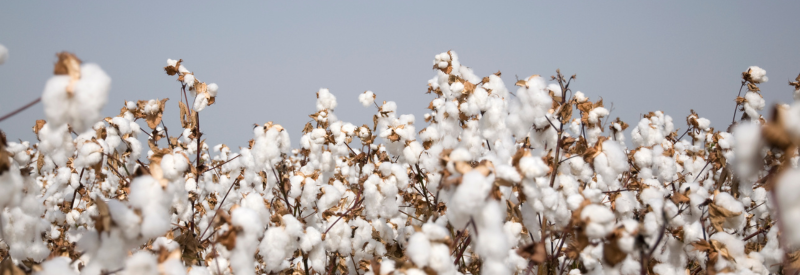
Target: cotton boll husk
(82, 109)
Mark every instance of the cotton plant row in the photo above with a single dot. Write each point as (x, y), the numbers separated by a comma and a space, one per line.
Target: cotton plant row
(537, 181)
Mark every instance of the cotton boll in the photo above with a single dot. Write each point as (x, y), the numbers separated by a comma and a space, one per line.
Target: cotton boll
(3, 54)
(200, 103)
(146, 194)
(89, 154)
(754, 102)
(57, 265)
(141, 263)
(703, 123)
(468, 198)
(748, 149)
(419, 249)
(325, 100)
(188, 80)
(212, 89)
(249, 220)
(174, 165)
(757, 74)
(82, 109)
(366, 98)
(600, 220)
(273, 249)
(789, 205)
(597, 113)
(533, 167)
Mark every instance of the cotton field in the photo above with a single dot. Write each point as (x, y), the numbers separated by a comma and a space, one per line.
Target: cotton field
(532, 177)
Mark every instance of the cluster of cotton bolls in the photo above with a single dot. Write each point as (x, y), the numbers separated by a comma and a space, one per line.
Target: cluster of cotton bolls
(540, 181)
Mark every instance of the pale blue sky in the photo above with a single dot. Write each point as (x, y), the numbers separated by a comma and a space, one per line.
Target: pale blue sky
(270, 58)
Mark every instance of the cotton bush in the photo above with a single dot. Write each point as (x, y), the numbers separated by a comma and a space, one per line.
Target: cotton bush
(489, 181)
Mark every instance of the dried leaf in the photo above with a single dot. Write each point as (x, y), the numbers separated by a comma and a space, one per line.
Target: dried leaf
(718, 214)
(7, 267)
(172, 70)
(153, 119)
(228, 239)
(187, 116)
(102, 221)
(534, 252)
(5, 156)
(68, 64)
(611, 251)
(189, 248)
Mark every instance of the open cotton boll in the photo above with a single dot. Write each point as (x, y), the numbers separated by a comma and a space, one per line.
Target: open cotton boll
(146, 194)
(174, 165)
(188, 80)
(273, 249)
(366, 98)
(89, 153)
(325, 100)
(754, 102)
(3, 54)
(242, 260)
(419, 249)
(57, 266)
(757, 74)
(601, 220)
(533, 167)
(200, 103)
(748, 149)
(82, 109)
(141, 263)
(597, 113)
(786, 194)
(212, 89)
(730, 203)
(468, 198)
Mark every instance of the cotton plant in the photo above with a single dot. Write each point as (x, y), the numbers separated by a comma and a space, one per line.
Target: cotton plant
(488, 181)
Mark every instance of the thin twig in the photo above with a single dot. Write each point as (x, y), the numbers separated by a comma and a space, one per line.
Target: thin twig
(20, 109)
(218, 208)
(345, 214)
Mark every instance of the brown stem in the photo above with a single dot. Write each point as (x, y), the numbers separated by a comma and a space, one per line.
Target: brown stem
(218, 208)
(345, 214)
(75, 194)
(21, 109)
(737, 104)
(221, 164)
(463, 248)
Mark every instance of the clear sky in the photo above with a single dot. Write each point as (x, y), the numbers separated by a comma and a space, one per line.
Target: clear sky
(271, 57)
